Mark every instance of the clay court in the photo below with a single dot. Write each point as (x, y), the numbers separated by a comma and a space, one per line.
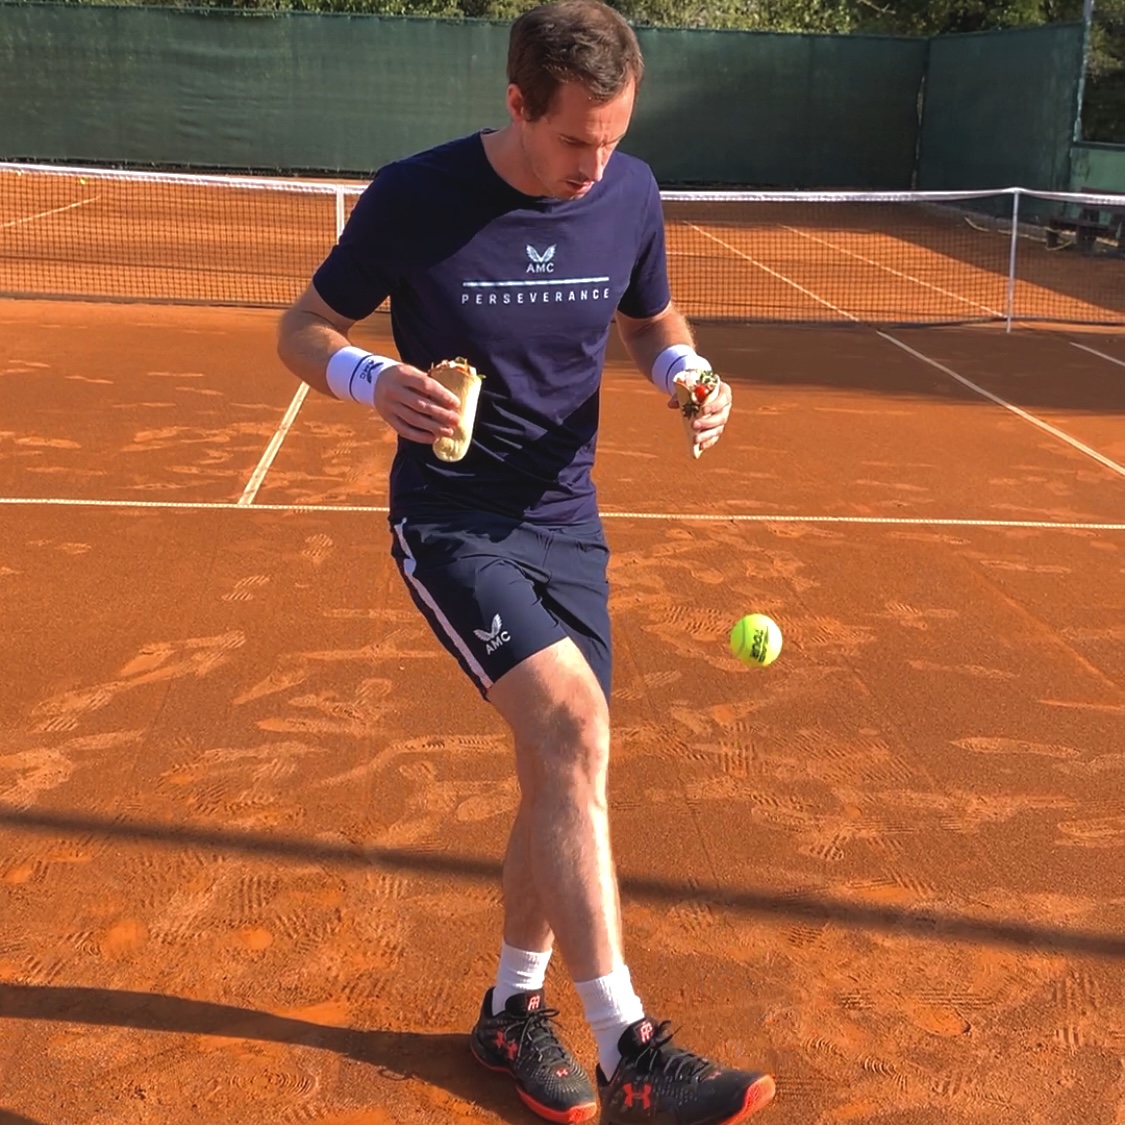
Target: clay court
(252, 816)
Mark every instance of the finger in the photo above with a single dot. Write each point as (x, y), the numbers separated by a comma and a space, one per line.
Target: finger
(413, 408)
(716, 416)
(438, 394)
(712, 408)
(422, 418)
(720, 400)
(434, 413)
(416, 433)
(430, 428)
(707, 438)
(707, 422)
(417, 384)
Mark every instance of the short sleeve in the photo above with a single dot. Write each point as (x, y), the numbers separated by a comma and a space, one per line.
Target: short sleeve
(648, 292)
(360, 270)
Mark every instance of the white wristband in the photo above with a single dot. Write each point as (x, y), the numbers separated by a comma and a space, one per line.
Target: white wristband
(671, 361)
(352, 374)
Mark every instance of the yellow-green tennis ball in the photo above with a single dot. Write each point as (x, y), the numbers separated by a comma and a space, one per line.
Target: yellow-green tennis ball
(756, 639)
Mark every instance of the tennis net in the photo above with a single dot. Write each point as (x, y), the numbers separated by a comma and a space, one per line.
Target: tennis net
(889, 258)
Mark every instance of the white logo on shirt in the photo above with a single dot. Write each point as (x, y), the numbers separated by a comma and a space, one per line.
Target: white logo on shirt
(540, 263)
(495, 637)
(543, 287)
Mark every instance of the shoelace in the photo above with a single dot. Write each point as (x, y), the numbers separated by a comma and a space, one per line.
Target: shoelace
(673, 1062)
(538, 1034)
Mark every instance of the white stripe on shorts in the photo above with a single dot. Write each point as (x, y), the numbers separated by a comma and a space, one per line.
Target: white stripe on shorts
(409, 566)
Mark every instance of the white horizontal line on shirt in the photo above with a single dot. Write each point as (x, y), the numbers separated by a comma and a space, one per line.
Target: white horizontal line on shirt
(544, 281)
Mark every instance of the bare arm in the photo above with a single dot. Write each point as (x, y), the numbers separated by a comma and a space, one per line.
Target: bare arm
(417, 407)
(309, 334)
(646, 339)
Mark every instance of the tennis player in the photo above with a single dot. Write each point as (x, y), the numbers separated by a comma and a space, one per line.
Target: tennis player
(518, 249)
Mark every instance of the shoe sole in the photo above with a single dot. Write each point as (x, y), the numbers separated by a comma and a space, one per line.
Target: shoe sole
(758, 1094)
(573, 1116)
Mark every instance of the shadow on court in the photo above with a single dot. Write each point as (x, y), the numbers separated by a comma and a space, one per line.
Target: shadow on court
(440, 1060)
(936, 925)
(1032, 370)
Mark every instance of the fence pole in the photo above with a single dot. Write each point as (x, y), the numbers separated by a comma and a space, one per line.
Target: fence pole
(1012, 257)
(1080, 93)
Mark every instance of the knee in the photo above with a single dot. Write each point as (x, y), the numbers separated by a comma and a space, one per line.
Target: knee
(572, 745)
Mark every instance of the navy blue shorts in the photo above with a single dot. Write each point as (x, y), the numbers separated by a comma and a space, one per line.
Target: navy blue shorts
(495, 591)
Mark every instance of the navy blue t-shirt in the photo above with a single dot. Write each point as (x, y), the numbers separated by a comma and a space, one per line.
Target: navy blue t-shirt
(525, 289)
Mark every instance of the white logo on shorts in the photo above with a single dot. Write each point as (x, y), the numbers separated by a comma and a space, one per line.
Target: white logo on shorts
(495, 637)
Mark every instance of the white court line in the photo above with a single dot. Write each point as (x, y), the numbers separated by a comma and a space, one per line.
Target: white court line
(259, 474)
(773, 273)
(1094, 351)
(692, 517)
(1045, 426)
(897, 273)
(44, 214)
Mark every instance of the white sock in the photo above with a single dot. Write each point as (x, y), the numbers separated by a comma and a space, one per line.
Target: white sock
(520, 970)
(611, 1006)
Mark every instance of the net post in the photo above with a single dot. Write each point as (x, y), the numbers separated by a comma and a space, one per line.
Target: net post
(1012, 257)
(339, 211)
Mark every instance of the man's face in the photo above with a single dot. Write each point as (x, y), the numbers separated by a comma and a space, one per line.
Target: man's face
(567, 149)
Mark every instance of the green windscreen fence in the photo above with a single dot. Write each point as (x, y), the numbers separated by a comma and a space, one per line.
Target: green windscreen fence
(223, 90)
(806, 111)
(343, 94)
(340, 94)
(1000, 109)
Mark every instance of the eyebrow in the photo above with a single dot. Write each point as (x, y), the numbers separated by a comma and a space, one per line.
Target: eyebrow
(581, 141)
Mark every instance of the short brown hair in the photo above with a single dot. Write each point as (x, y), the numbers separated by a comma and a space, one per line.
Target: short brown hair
(582, 41)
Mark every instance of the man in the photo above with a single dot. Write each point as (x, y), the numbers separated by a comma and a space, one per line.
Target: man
(518, 249)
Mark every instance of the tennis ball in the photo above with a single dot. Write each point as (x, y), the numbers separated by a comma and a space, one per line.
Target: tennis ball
(755, 639)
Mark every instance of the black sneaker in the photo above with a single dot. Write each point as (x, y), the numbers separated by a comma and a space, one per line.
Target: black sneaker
(521, 1041)
(658, 1084)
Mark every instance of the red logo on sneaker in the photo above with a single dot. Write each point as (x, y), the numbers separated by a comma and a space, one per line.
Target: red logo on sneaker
(533, 1003)
(644, 1032)
(633, 1096)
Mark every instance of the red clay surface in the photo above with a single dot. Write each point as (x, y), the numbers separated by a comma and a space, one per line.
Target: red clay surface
(251, 816)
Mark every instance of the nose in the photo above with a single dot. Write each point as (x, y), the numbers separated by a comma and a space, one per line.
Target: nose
(592, 165)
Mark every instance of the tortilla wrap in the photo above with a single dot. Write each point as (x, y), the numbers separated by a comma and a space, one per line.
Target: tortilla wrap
(694, 387)
(459, 376)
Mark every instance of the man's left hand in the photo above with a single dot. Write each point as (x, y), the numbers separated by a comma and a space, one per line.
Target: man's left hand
(712, 417)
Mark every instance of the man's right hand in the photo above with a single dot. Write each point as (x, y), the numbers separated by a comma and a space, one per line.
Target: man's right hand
(415, 406)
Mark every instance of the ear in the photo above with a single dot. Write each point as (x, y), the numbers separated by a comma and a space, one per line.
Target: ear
(517, 105)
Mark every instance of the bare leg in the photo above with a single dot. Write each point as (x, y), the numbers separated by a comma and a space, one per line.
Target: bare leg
(525, 922)
(560, 847)
(559, 877)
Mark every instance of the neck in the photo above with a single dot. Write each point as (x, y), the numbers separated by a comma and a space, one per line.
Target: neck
(504, 153)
